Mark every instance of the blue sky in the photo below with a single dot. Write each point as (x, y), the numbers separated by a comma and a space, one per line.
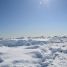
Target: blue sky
(33, 17)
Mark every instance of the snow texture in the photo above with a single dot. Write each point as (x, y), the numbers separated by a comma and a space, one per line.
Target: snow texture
(50, 52)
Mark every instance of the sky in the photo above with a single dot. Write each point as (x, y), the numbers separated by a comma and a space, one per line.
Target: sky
(33, 17)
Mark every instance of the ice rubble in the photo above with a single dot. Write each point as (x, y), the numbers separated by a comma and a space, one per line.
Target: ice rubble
(34, 53)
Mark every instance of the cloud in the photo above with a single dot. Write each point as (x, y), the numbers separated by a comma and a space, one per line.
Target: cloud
(40, 2)
(44, 2)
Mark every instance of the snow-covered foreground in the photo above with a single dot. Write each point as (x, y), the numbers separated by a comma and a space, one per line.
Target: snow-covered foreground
(34, 53)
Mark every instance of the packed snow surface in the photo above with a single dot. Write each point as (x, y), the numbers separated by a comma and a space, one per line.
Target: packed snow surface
(50, 52)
